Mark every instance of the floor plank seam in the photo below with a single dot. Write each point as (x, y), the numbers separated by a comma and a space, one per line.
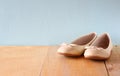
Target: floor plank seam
(43, 63)
(106, 68)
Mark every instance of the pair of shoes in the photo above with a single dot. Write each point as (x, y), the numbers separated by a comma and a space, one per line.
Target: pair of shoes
(93, 47)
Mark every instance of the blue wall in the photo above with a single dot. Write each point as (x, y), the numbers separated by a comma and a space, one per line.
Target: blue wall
(51, 22)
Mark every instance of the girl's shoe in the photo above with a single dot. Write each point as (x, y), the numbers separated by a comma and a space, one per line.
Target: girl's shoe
(77, 47)
(100, 49)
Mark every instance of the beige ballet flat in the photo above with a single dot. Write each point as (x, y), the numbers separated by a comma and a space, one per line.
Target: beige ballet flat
(100, 49)
(77, 47)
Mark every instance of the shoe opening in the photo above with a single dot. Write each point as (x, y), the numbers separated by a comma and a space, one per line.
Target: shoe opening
(84, 39)
(102, 41)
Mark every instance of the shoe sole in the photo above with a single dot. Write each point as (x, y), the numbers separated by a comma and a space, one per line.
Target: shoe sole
(66, 54)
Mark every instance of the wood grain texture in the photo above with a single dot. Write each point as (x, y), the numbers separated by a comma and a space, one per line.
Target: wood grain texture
(21, 61)
(44, 61)
(113, 64)
(57, 65)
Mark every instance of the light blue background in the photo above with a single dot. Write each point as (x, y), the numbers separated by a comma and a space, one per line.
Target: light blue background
(51, 22)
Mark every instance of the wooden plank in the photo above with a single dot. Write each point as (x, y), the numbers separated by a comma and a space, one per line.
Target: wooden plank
(58, 65)
(21, 60)
(113, 64)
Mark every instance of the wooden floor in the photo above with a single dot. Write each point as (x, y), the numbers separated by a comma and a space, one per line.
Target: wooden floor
(44, 61)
